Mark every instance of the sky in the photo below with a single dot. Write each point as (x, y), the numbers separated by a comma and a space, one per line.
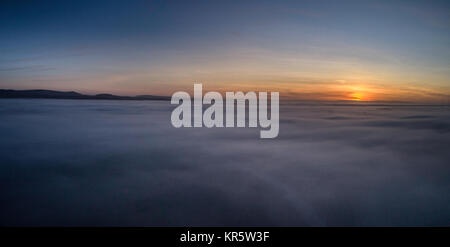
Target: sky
(312, 50)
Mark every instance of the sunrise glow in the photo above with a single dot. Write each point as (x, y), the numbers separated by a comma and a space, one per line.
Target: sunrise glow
(320, 56)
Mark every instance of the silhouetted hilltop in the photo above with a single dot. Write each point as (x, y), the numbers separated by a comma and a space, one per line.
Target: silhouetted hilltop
(51, 94)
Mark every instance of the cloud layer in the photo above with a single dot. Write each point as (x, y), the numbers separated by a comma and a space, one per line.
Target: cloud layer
(106, 163)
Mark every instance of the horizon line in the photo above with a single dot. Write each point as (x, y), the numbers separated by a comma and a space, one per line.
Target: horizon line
(282, 99)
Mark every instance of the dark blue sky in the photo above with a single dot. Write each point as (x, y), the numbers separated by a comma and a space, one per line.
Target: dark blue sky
(130, 47)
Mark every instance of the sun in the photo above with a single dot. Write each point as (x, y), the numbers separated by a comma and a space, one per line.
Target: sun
(356, 96)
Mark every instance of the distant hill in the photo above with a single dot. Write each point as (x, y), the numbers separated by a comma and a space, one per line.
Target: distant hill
(50, 94)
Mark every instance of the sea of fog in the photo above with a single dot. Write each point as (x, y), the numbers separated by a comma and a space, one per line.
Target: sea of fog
(121, 163)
